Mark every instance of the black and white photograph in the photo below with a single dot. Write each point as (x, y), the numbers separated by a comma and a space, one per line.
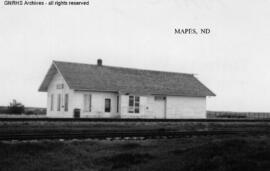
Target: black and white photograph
(143, 85)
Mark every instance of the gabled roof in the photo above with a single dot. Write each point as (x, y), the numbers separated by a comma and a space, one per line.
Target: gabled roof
(125, 80)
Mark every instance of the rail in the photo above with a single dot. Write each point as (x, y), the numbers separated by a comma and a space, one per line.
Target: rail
(127, 120)
(147, 134)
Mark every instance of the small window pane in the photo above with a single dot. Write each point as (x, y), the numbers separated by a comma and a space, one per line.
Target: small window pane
(131, 109)
(137, 110)
(131, 101)
(137, 98)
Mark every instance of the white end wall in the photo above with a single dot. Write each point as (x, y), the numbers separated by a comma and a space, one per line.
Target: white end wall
(185, 107)
(58, 79)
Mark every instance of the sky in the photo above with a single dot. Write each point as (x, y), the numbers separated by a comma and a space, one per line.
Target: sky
(233, 60)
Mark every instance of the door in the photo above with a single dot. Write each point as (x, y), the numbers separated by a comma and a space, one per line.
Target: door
(160, 107)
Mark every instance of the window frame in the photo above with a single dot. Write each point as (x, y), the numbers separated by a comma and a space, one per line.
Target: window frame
(66, 102)
(52, 102)
(109, 107)
(59, 102)
(87, 102)
(60, 86)
(134, 104)
(117, 105)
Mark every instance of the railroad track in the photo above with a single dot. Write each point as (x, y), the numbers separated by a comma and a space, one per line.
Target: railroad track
(149, 134)
(125, 120)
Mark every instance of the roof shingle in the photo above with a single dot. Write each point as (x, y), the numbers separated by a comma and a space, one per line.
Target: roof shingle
(126, 80)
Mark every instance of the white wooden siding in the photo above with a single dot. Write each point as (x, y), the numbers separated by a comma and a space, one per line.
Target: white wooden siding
(98, 104)
(176, 106)
(58, 79)
(186, 107)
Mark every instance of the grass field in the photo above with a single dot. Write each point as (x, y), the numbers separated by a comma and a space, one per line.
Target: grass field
(219, 153)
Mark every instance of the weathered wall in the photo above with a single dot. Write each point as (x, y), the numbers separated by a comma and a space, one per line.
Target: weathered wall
(98, 104)
(144, 112)
(156, 108)
(175, 106)
(148, 107)
(58, 79)
(185, 107)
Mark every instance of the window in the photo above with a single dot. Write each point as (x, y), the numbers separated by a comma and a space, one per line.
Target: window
(117, 105)
(134, 104)
(59, 86)
(160, 97)
(87, 103)
(58, 102)
(107, 105)
(51, 102)
(137, 104)
(66, 102)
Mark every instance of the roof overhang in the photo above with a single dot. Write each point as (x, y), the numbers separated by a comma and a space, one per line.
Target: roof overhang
(49, 76)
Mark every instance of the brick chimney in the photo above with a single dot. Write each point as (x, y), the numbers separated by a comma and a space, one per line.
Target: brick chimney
(99, 62)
